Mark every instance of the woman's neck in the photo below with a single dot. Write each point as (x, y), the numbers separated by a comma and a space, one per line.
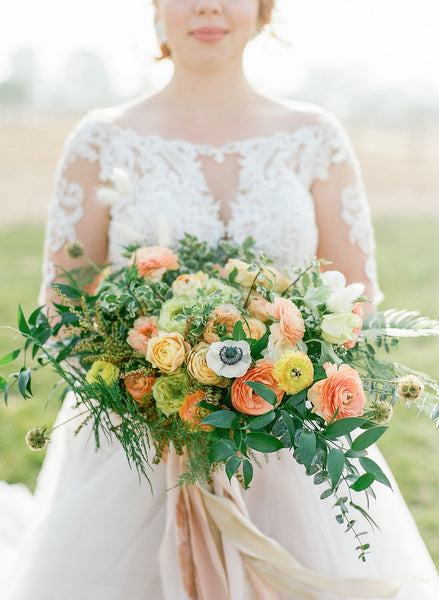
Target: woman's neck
(225, 93)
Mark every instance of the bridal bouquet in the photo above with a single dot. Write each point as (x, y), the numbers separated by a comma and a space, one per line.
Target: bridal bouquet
(216, 353)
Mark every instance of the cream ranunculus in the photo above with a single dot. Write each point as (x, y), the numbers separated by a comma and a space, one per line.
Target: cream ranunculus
(199, 369)
(339, 329)
(186, 285)
(243, 276)
(272, 279)
(167, 351)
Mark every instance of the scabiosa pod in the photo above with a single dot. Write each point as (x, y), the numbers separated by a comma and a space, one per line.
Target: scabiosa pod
(409, 388)
(37, 439)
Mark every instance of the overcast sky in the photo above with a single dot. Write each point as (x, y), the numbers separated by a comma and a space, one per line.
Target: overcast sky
(395, 41)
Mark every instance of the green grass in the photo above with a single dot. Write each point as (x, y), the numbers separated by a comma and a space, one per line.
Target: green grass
(409, 275)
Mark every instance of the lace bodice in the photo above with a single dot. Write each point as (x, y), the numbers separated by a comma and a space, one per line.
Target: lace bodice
(273, 201)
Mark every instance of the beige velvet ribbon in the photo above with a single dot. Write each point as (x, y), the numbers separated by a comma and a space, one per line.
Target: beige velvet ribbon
(223, 555)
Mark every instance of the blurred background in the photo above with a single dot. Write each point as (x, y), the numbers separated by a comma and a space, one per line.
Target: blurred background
(373, 64)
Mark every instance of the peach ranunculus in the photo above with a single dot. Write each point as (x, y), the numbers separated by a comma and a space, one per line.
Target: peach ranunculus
(186, 285)
(342, 389)
(198, 368)
(357, 310)
(258, 307)
(254, 328)
(143, 330)
(224, 314)
(192, 413)
(139, 386)
(290, 326)
(153, 261)
(167, 351)
(272, 279)
(245, 399)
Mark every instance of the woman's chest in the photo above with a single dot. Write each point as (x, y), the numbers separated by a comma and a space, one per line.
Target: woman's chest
(214, 194)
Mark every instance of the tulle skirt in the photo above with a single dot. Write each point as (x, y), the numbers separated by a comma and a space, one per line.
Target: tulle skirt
(93, 531)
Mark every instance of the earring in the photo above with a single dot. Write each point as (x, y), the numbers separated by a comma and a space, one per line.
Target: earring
(160, 32)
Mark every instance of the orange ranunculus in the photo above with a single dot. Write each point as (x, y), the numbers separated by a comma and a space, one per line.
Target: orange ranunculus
(245, 399)
(143, 330)
(357, 310)
(193, 414)
(291, 326)
(342, 389)
(153, 261)
(139, 386)
(224, 314)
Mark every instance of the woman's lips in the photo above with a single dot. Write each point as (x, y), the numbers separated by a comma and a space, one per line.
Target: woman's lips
(209, 34)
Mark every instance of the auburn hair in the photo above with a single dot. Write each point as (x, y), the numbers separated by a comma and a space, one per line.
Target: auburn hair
(264, 18)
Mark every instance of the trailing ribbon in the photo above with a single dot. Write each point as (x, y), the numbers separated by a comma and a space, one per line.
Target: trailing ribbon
(223, 555)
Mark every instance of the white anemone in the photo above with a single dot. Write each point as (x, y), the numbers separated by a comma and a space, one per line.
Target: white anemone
(229, 358)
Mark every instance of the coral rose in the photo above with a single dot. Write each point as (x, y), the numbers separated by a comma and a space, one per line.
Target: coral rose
(226, 315)
(192, 413)
(198, 368)
(291, 326)
(167, 351)
(357, 310)
(153, 261)
(138, 386)
(245, 399)
(144, 329)
(342, 389)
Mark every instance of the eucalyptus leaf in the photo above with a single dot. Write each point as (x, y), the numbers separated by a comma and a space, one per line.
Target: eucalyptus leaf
(368, 438)
(9, 357)
(263, 391)
(371, 467)
(222, 418)
(363, 482)
(335, 464)
(261, 422)
(343, 426)
(263, 442)
(307, 447)
(232, 465)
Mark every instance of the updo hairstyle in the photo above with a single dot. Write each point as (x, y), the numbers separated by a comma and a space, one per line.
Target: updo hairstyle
(264, 18)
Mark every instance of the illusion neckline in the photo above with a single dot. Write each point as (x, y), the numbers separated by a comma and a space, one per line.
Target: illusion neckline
(231, 146)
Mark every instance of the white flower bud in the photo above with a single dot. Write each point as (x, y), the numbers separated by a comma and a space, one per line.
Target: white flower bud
(342, 300)
(122, 181)
(108, 196)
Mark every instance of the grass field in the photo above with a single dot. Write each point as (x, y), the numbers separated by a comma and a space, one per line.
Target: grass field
(409, 275)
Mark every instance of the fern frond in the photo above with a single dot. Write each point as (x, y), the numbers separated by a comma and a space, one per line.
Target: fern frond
(394, 323)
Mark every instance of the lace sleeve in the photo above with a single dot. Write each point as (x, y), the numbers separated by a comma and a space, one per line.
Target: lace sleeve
(346, 235)
(74, 213)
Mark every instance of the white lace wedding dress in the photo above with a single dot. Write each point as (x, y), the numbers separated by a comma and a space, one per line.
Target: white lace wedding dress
(92, 532)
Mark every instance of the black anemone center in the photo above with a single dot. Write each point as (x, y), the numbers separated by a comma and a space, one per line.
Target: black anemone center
(230, 355)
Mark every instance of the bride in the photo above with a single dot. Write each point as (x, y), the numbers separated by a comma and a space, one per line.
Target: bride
(212, 157)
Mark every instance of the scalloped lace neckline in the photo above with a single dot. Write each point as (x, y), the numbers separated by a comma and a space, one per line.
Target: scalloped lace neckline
(230, 147)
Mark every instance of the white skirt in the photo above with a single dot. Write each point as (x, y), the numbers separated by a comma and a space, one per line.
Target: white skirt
(93, 532)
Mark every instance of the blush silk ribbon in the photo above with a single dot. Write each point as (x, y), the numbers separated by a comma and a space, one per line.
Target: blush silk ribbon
(222, 555)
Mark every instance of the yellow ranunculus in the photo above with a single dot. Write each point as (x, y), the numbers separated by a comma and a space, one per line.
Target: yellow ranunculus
(293, 371)
(243, 276)
(167, 351)
(104, 370)
(339, 329)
